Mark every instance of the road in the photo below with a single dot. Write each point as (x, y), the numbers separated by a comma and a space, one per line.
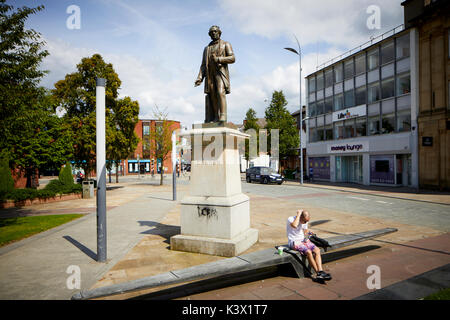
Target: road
(436, 216)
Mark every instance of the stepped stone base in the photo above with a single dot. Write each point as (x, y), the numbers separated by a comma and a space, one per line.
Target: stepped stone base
(215, 246)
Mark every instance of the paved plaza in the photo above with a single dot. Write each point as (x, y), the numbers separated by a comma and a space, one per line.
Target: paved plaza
(141, 218)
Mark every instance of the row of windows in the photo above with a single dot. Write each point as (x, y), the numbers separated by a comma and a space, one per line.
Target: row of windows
(371, 93)
(382, 118)
(397, 48)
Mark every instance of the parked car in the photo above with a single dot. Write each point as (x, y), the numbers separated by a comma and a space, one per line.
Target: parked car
(263, 175)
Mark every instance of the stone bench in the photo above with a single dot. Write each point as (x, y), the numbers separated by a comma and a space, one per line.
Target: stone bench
(253, 261)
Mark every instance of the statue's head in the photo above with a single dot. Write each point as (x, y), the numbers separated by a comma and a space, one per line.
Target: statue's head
(214, 32)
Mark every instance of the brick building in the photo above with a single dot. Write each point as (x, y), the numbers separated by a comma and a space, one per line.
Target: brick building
(142, 159)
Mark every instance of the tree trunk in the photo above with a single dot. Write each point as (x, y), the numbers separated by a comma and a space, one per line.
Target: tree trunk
(162, 173)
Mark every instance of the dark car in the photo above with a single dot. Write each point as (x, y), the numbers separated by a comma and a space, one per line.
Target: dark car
(263, 175)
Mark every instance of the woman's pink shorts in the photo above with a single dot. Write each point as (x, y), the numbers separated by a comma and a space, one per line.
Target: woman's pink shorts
(302, 247)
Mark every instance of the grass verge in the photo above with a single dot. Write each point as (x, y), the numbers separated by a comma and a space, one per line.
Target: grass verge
(440, 295)
(14, 229)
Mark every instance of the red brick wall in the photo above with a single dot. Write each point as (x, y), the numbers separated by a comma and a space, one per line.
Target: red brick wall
(139, 150)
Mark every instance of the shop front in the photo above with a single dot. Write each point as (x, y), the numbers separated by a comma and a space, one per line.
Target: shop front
(378, 160)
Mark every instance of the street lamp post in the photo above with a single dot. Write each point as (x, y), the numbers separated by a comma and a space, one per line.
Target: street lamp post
(300, 103)
(174, 165)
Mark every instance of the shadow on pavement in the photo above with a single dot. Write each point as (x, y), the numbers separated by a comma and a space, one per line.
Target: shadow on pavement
(244, 277)
(394, 243)
(159, 229)
(83, 248)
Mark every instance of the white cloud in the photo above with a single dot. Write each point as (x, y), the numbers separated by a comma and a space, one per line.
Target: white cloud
(166, 77)
(143, 81)
(339, 23)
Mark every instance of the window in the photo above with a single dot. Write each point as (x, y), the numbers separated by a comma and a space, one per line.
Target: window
(146, 129)
(404, 121)
(372, 59)
(349, 99)
(328, 107)
(360, 64)
(403, 46)
(388, 116)
(338, 102)
(312, 135)
(382, 165)
(387, 88)
(403, 84)
(388, 123)
(319, 81)
(338, 73)
(348, 69)
(319, 107)
(320, 134)
(339, 130)
(312, 84)
(360, 96)
(387, 52)
(312, 109)
(329, 132)
(374, 125)
(373, 92)
(328, 78)
(350, 131)
(361, 127)
(374, 118)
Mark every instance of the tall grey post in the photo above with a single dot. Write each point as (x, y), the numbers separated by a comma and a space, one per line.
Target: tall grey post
(101, 170)
(299, 53)
(174, 165)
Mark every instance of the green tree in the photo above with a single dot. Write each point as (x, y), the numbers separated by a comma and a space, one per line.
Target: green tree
(6, 180)
(122, 140)
(161, 138)
(31, 135)
(65, 175)
(278, 117)
(251, 123)
(76, 94)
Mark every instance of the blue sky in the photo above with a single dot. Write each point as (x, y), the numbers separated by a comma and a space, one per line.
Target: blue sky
(155, 46)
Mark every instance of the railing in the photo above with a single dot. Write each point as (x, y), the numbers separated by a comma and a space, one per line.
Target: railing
(372, 41)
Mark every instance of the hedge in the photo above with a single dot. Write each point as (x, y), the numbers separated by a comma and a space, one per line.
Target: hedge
(53, 188)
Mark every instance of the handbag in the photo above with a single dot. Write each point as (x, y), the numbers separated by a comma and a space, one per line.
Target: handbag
(322, 243)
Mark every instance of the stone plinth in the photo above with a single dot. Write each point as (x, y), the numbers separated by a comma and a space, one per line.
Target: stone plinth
(215, 216)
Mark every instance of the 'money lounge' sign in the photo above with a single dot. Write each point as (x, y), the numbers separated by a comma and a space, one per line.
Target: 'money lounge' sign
(348, 147)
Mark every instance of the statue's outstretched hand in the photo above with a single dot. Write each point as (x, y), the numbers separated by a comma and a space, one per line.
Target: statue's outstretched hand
(197, 82)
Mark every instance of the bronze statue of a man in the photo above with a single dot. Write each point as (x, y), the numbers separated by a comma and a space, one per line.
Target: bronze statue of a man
(214, 69)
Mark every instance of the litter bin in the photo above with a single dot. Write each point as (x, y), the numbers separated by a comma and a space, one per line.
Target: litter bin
(88, 189)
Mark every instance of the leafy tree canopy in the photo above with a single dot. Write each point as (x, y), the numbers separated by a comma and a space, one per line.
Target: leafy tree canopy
(31, 135)
(279, 117)
(76, 95)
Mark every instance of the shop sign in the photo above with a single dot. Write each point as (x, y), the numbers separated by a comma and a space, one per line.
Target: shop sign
(427, 141)
(362, 146)
(359, 111)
